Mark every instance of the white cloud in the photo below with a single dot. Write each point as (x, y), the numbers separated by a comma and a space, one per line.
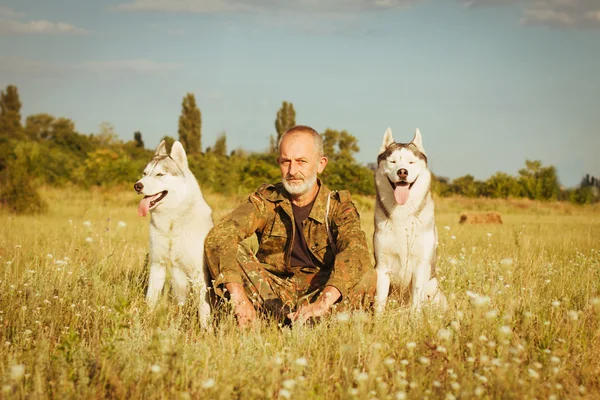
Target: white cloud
(139, 66)
(7, 12)
(331, 7)
(40, 27)
(552, 13)
(564, 13)
(31, 68)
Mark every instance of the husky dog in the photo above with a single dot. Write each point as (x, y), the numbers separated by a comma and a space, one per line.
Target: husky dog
(180, 219)
(405, 234)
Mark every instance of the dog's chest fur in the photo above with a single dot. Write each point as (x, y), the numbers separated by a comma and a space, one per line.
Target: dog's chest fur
(179, 241)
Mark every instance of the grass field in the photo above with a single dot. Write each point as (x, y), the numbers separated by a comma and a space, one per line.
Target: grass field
(524, 319)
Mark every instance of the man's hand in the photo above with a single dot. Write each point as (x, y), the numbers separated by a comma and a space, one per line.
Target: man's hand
(317, 309)
(242, 306)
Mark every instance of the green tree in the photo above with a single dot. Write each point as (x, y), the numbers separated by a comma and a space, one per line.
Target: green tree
(107, 136)
(502, 185)
(137, 137)
(10, 114)
(467, 186)
(18, 191)
(220, 147)
(168, 142)
(286, 119)
(538, 182)
(190, 125)
(331, 138)
(339, 145)
(39, 126)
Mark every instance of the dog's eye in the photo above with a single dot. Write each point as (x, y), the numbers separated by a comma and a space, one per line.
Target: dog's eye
(392, 161)
(412, 162)
(160, 174)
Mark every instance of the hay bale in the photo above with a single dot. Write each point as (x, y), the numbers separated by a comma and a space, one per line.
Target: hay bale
(481, 218)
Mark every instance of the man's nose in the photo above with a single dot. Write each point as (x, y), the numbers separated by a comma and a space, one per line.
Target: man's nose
(293, 169)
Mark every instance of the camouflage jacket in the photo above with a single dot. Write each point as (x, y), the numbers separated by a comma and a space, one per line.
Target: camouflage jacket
(268, 213)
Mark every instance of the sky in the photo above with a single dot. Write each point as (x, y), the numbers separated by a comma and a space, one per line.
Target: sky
(489, 83)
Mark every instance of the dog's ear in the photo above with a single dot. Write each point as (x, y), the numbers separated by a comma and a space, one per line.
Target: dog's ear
(161, 150)
(418, 141)
(178, 154)
(387, 140)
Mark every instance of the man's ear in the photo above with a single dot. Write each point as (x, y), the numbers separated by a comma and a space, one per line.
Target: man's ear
(178, 155)
(161, 150)
(387, 140)
(322, 164)
(418, 141)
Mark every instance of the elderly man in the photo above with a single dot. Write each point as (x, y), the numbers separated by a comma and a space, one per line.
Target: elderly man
(312, 253)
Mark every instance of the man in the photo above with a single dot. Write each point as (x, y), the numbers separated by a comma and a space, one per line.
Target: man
(312, 251)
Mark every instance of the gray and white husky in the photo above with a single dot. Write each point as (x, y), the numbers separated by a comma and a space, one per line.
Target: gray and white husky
(180, 219)
(405, 234)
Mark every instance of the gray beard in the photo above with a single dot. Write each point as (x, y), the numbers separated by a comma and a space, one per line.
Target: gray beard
(302, 188)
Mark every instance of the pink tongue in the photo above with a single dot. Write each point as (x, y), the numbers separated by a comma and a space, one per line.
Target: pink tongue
(144, 205)
(401, 194)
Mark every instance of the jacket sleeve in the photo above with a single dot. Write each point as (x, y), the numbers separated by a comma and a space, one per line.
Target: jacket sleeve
(221, 244)
(352, 259)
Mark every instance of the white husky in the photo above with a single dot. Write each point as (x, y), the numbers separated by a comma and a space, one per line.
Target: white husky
(405, 234)
(180, 219)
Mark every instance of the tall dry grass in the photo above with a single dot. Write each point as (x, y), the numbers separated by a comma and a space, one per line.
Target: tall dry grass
(524, 319)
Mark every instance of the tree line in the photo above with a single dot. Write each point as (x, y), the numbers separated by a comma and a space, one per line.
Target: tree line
(48, 150)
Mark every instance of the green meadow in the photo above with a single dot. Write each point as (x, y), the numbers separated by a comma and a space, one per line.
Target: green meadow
(524, 317)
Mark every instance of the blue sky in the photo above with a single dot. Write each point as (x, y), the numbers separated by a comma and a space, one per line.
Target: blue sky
(489, 83)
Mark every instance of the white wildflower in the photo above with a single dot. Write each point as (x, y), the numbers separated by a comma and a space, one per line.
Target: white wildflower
(533, 373)
(289, 384)
(17, 371)
(363, 376)
(286, 394)
(89, 239)
(121, 224)
(555, 303)
(343, 317)
(507, 262)
(302, 362)
(444, 334)
(209, 383)
(87, 223)
(155, 368)
(573, 315)
(411, 345)
(401, 396)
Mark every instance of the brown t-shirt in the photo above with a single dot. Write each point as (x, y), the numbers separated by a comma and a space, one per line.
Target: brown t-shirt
(300, 253)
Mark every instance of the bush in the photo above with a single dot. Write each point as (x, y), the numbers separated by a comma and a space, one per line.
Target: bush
(18, 192)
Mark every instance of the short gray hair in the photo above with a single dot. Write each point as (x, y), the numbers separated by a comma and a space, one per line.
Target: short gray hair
(304, 129)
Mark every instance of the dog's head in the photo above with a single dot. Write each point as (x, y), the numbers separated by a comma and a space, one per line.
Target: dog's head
(164, 181)
(402, 164)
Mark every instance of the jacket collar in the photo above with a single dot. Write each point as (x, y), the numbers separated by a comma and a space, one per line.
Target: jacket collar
(317, 213)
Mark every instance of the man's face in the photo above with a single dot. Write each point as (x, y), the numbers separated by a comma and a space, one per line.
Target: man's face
(299, 163)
